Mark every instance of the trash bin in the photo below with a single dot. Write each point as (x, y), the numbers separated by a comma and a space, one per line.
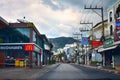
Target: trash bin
(21, 63)
(17, 63)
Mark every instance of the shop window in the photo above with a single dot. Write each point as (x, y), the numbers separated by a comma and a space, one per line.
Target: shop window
(111, 30)
(14, 35)
(110, 16)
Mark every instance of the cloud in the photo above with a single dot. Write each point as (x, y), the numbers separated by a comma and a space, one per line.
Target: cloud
(52, 17)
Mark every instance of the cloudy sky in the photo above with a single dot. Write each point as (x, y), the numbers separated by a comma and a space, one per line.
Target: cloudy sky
(54, 18)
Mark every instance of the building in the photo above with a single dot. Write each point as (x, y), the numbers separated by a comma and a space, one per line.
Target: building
(97, 29)
(111, 44)
(21, 44)
(95, 41)
(47, 50)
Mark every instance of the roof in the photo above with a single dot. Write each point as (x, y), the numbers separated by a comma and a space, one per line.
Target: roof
(44, 37)
(100, 23)
(27, 24)
(3, 21)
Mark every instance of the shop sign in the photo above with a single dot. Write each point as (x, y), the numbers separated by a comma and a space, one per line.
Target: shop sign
(11, 47)
(108, 42)
(96, 44)
(29, 47)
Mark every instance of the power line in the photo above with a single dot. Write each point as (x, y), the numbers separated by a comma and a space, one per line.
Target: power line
(98, 8)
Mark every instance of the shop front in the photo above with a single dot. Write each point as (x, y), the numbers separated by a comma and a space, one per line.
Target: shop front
(20, 55)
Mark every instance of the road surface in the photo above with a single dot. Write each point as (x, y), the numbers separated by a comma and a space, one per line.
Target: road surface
(76, 72)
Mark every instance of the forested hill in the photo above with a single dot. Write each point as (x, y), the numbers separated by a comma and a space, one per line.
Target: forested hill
(60, 42)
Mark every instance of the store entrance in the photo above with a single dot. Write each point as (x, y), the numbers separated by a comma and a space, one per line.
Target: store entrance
(16, 59)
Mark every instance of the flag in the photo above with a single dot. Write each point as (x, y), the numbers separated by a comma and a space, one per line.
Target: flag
(84, 41)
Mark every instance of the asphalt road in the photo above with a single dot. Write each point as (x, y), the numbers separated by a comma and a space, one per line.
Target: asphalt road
(76, 72)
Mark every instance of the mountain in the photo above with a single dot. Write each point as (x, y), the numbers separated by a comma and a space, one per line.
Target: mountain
(60, 42)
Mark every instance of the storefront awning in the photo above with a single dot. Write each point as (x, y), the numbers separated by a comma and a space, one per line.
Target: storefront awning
(105, 49)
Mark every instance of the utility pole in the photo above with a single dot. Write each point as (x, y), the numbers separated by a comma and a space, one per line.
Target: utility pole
(88, 30)
(77, 34)
(102, 16)
(92, 38)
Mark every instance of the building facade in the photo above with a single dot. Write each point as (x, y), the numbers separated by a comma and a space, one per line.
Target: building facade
(95, 42)
(20, 44)
(114, 29)
(111, 44)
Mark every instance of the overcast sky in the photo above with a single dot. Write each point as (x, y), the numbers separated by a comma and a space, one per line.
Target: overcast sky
(54, 18)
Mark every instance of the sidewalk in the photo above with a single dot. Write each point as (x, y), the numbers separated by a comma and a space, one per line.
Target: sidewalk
(103, 69)
(24, 73)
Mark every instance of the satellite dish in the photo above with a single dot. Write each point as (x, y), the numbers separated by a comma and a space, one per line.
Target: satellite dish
(22, 21)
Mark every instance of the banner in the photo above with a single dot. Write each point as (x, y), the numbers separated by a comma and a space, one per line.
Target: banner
(84, 41)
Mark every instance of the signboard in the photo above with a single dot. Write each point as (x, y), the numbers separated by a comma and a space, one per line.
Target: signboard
(84, 41)
(17, 47)
(118, 25)
(117, 31)
(29, 47)
(20, 47)
(11, 47)
(96, 44)
(108, 42)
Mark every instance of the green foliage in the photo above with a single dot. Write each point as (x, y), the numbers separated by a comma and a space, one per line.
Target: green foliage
(62, 55)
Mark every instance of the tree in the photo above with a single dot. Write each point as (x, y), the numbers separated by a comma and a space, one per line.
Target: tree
(63, 54)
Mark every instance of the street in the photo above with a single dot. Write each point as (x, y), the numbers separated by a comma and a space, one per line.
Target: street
(76, 72)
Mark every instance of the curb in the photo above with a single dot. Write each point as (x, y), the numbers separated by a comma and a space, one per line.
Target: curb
(102, 69)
